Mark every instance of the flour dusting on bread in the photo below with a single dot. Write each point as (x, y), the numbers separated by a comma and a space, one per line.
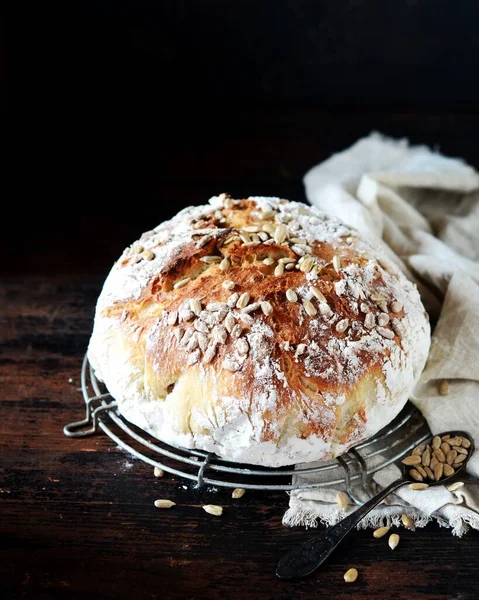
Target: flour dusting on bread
(260, 329)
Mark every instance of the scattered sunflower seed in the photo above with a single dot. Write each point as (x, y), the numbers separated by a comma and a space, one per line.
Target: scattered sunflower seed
(157, 472)
(393, 540)
(238, 493)
(380, 532)
(351, 575)
(342, 500)
(407, 521)
(418, 486)
(213, 509)
(162, 503)
(455, 486)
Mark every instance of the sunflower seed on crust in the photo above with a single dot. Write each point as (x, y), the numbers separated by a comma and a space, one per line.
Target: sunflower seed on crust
(396, 306)
(211, 259)
(242, 346)
(228, 284)
(229, 322)
(317, 293)
(231, 365)
(266, 307)
(194, 357)
(369, 320)
(280, 234)
(383, 319)
(250, 308)
(225, 264)
(202, 340)
(242, 300)
(309, 307)
(210, 353)
(220, 334)
(232, 300)
(336, 263)
(386, 333)
(195, 306)
(291, 295)
(342, 325)
(279, 270)
(268, 261)
(181, 283)
(236, 331)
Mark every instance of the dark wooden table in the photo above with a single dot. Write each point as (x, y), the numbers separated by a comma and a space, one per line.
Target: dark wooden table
(77, 518)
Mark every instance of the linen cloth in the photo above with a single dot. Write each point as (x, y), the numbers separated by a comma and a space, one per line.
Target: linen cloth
(423, 208)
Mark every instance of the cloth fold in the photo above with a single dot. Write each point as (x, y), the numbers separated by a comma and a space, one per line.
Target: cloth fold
(423, 208)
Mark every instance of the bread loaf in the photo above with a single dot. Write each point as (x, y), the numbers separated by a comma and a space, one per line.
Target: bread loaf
(259, 329)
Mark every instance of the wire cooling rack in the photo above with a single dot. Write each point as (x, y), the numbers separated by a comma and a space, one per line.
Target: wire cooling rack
(352, 470)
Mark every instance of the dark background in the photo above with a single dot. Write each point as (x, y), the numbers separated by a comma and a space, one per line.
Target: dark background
(129, 111)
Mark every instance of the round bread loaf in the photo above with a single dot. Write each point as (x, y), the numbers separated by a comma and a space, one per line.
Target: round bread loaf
(259, 329)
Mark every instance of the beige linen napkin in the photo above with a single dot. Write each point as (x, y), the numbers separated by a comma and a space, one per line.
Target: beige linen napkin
(423, 207)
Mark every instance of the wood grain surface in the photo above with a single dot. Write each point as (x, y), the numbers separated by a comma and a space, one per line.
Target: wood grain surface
(77, 518)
